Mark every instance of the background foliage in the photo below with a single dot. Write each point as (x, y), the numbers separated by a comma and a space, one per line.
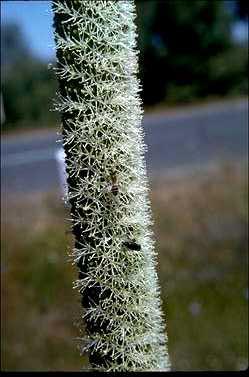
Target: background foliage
(186, 53)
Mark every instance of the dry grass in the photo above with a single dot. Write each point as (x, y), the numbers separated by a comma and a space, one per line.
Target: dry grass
(201, 233)
(201, 228)
(38, 301)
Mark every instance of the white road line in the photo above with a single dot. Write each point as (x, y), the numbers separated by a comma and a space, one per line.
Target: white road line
(15, 159)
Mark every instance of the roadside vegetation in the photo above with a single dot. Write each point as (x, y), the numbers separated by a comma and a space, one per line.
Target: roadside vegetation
(201, 236)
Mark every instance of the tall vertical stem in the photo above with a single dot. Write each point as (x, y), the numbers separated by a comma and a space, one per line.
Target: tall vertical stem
(107, 185)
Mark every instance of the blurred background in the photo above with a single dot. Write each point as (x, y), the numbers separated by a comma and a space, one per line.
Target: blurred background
(193, 58)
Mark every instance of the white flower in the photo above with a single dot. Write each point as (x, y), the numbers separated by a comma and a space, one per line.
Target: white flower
(107, 184)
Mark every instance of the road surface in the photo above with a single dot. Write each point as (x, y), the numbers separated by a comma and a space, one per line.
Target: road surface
(177, 140)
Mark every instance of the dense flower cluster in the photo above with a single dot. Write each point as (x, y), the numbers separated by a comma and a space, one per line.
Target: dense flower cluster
(107, 184)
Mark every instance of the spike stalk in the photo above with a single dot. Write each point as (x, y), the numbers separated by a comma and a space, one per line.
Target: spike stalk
(107, 185)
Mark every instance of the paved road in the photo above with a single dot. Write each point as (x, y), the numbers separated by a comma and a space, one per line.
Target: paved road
(176, 141)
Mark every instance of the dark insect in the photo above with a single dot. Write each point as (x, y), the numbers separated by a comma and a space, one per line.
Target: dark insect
(132, 245)
(114, 188)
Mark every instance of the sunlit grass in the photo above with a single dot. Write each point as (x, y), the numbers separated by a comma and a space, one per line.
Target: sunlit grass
(201, 228)
(39, 303)
(201, 236)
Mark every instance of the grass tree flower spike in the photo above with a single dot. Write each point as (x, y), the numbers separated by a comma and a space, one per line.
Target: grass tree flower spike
(107, 185)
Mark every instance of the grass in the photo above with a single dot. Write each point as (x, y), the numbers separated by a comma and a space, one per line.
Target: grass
(39, 303)
(201, 226)
(201, 232)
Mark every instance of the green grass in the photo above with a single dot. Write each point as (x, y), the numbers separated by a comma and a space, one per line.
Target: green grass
(201, 236)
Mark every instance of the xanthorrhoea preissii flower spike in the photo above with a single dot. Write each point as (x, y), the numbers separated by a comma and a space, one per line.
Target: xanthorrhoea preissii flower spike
(107, 184)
